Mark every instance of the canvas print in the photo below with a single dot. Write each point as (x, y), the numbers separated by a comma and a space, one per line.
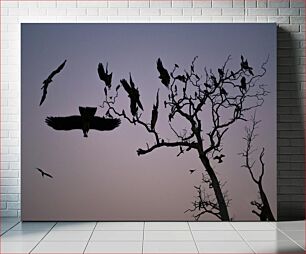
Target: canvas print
(153, 122)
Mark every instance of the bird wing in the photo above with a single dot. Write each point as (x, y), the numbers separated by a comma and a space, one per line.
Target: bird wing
(104, 124)
(101, 72)
(48, 175)
(40, 170)
(44, 95)
(160, 66)
(126, 86)
(64, 123)
(57, 70)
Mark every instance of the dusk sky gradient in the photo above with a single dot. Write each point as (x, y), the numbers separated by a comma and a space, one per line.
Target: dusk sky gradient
(101, 177)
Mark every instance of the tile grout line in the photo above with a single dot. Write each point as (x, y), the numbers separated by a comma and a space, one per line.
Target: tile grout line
(193, 237)
(290, 238)
(143, 232)
(244, 240)
(42, 238)
(10, 228)
(90, 237)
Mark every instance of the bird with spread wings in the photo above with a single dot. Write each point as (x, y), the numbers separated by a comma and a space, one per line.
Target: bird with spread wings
(43, 173)
(49, 80)
(85, 121)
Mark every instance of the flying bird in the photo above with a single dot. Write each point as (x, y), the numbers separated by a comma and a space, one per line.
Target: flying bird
(163, 73)
(154, 113)
(49, 80)
(85, 121)
(191, 171)
(43, 173)
(243, 84)
(219, 158)
(133, 94)
(104, 75)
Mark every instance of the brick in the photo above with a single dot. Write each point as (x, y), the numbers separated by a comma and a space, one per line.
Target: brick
(139, 4)
(171, 11)
(18, 12)
(297, 20)
(150, 12)
(128, 12)
(233, 12)
(211, 11)
(13, 205)
(222, 3)
(9, 197)
(9, 213)
(9, 4)
(66, 4)
(181, 3)
(38, 11)
(160, 4)
(289, 11)
(262, 12)
(57, 12)
(108, 11)
(238, 3)
(159, 19)
(201, 19)
(250, 3)
(93, 4)
(279, 19)
(220, 19)
(47, 4)
(118, 4)
(76, 12)
(297, 3)
(202, 3)
(92, 11)
(9, 173)
(10, 189)
(138, 19)
(192, 11)
(262, 3)
(278, 3)
(8, 181)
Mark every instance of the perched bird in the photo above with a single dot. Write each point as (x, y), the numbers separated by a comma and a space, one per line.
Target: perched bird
(104, 76)
(245, 65)
(181, 78)
(43, 173)
(219, 158)
(155, 112)
(243, 84)
(133, 94)
(49, 80)
(163, 73)
(191, 171)
(221, 72)
(85, 121)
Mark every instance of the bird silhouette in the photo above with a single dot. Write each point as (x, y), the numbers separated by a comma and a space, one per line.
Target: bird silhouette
(243, 84)
(191, 171)
(221, 72)
(104, 76)
(133, 94)
(43, 173)
(245, 65)
(219, 158)
(49, 80)
(233, 74)
(155, 112)
(85, 121)
(214, 80)
(163, 73)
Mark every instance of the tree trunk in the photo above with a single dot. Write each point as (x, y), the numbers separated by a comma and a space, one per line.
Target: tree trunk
(216, 187)
(267, 210)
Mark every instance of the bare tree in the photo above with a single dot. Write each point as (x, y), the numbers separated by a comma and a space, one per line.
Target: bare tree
(227, 95)
(262, 206)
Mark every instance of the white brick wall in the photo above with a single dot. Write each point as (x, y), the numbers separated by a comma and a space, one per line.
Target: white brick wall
(290, 14)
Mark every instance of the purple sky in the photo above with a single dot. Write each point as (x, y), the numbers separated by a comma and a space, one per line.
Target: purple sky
(101, 177)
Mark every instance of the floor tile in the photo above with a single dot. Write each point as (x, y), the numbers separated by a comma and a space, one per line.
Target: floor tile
(216, 236)
(276, 247)
(98, 236)
(253, 226)
(63, 226)
(273, 235)
(170, 247)
(291, 225)
(223, 247)
(114, 247)
(33, 226)
(120, 226)
(69, 236)
(23, 236)
(17, 247)
(168, 236)
(166, 226)
(221, 226)
(60, 247)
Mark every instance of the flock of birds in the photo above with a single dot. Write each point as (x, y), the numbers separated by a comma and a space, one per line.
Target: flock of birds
(87, 120)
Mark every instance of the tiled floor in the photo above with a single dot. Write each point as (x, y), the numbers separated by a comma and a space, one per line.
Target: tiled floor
(152, 237)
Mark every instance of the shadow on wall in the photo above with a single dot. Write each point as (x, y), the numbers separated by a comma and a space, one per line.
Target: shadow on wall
(290, 130)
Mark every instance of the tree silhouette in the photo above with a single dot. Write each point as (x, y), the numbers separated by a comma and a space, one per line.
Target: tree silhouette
(263, 206)
(226, 96)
